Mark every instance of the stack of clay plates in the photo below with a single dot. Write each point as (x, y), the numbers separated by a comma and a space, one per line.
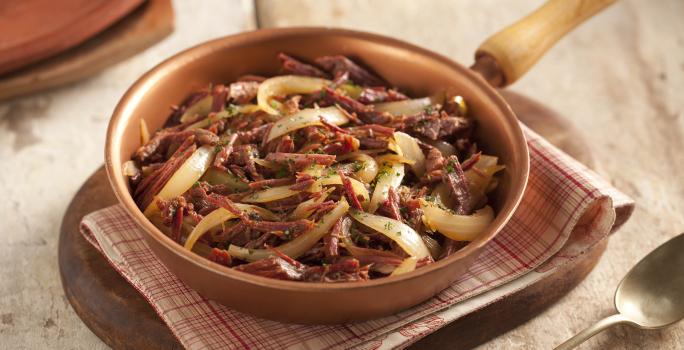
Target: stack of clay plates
(45, 43)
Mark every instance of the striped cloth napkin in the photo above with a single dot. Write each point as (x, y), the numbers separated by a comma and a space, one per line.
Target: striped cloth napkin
(566, 210)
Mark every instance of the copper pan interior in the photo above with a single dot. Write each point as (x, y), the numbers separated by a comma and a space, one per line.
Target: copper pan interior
(416, 71)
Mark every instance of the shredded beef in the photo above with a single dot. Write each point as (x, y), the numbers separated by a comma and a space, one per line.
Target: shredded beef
(435, 125)
(273, 267)
(338, 65)
(434, 160)
(380, 94)
(300, 161)
(159, 144)
(293, 66)
(458, 186)
(220, 256)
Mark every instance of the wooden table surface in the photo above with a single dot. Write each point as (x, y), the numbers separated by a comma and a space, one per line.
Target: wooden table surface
(620, 78)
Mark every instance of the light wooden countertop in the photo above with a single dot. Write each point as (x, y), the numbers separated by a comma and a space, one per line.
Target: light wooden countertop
(619, 78)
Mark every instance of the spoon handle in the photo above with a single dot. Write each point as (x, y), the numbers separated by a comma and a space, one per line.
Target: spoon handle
(590, 331)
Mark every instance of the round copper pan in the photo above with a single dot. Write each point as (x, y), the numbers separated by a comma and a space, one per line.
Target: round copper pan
(415, 70)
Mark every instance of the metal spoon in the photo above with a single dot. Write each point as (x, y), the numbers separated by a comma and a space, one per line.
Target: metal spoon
(651, 296)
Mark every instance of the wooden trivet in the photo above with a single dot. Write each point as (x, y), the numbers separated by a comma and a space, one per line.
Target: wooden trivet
(122, 318)
(143, 27)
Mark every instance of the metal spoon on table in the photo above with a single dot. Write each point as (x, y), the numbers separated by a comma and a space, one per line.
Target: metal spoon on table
(651, 296)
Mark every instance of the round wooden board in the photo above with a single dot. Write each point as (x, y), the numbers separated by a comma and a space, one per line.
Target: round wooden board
(122, 318)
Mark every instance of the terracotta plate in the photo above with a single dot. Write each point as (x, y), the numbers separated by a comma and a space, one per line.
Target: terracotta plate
(31, 30)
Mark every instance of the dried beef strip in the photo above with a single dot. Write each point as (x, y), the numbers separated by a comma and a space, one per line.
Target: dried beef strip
(390, 207)
(261, 184)
(220, 256)
(163, 139)
(223, 155)
(380, 94)
(455, 179)
(293, 66)
(300, 161)
(273, 267)
(338, 65)
(345, 269)
(349, 193)
(470, 162)
(152, 184)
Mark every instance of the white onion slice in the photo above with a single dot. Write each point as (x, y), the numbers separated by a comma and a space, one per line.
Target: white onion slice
(303, 209)
(286, 85)
(406, 266)
(186, 176)
(304, 118)
(359, 188)
(390, 175)
(395, 230)
(446, 148)
(299, 245)
(368, 168)
(411, 150)
(410, 107)
(270, 194)
(201, 108)
(221, 215)
(454, 226)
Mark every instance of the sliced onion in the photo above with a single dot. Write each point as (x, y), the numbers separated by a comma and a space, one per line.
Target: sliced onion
(359, 187)
(216, 176)
(144, 132)
(395, 230)
(314, 170)
(368, 168)
(394, 158)
(304, 118)
(299, 245)
(410, 107)
(353, 91)
(442, 195)
(406, 266)
(286, 85)
(221, 215)
(390, 175)
(266, 164)
(130, 169)
(224, 114)
(480, 177)
(270, 194)
(456, 227)
(303, 209)
(433, 246)
(446, 148)
(186, 176)
(411, 150)
(201, 108)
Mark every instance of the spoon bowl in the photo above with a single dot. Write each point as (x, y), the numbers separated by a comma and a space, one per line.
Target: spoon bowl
(651, 295)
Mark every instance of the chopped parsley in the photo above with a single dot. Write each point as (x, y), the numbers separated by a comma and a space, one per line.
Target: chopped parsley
(282, 172)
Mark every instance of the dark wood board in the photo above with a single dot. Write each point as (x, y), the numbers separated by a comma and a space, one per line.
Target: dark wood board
(145, 26)
(122, 318)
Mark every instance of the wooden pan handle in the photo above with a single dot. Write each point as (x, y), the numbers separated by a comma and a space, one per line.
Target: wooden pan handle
(508, 54)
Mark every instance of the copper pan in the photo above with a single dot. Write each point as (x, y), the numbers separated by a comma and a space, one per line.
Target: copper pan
(501, 60)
